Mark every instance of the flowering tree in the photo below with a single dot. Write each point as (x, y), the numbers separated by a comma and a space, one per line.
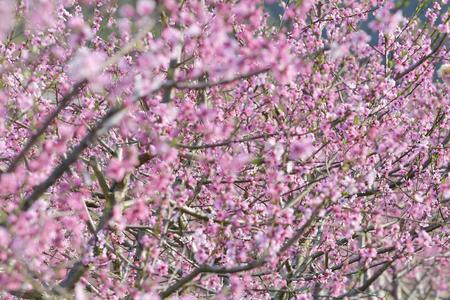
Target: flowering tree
(215, 150)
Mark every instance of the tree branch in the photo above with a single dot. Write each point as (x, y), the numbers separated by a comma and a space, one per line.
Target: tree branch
(236, 269)
(106, 122)
(34, 138)
(422, 60)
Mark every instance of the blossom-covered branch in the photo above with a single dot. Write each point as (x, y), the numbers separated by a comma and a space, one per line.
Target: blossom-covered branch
(224, 149)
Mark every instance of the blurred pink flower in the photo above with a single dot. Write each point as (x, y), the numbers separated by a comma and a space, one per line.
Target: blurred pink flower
(86, 64)
(301, 149)
(7, 10)
(145, 7)
(444, 73)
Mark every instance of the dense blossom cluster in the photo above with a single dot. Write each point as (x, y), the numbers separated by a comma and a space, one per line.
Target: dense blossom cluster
(224, 149)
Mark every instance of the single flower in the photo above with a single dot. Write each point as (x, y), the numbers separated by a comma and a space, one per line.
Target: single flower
(444, 73)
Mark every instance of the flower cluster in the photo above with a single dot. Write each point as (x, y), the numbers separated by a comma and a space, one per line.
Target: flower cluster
(224, 149)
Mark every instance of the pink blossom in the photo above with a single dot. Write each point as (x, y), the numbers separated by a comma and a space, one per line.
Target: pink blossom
(145, 7)
(7, 9)
(80, 294)
(241, 151)
(232, 165)
(444, 73)
(301, 149)
(127, 11)
(424, 239)
(118, 167)
(40, 14)
(86, 64)
(387, 22)
(5, 238)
